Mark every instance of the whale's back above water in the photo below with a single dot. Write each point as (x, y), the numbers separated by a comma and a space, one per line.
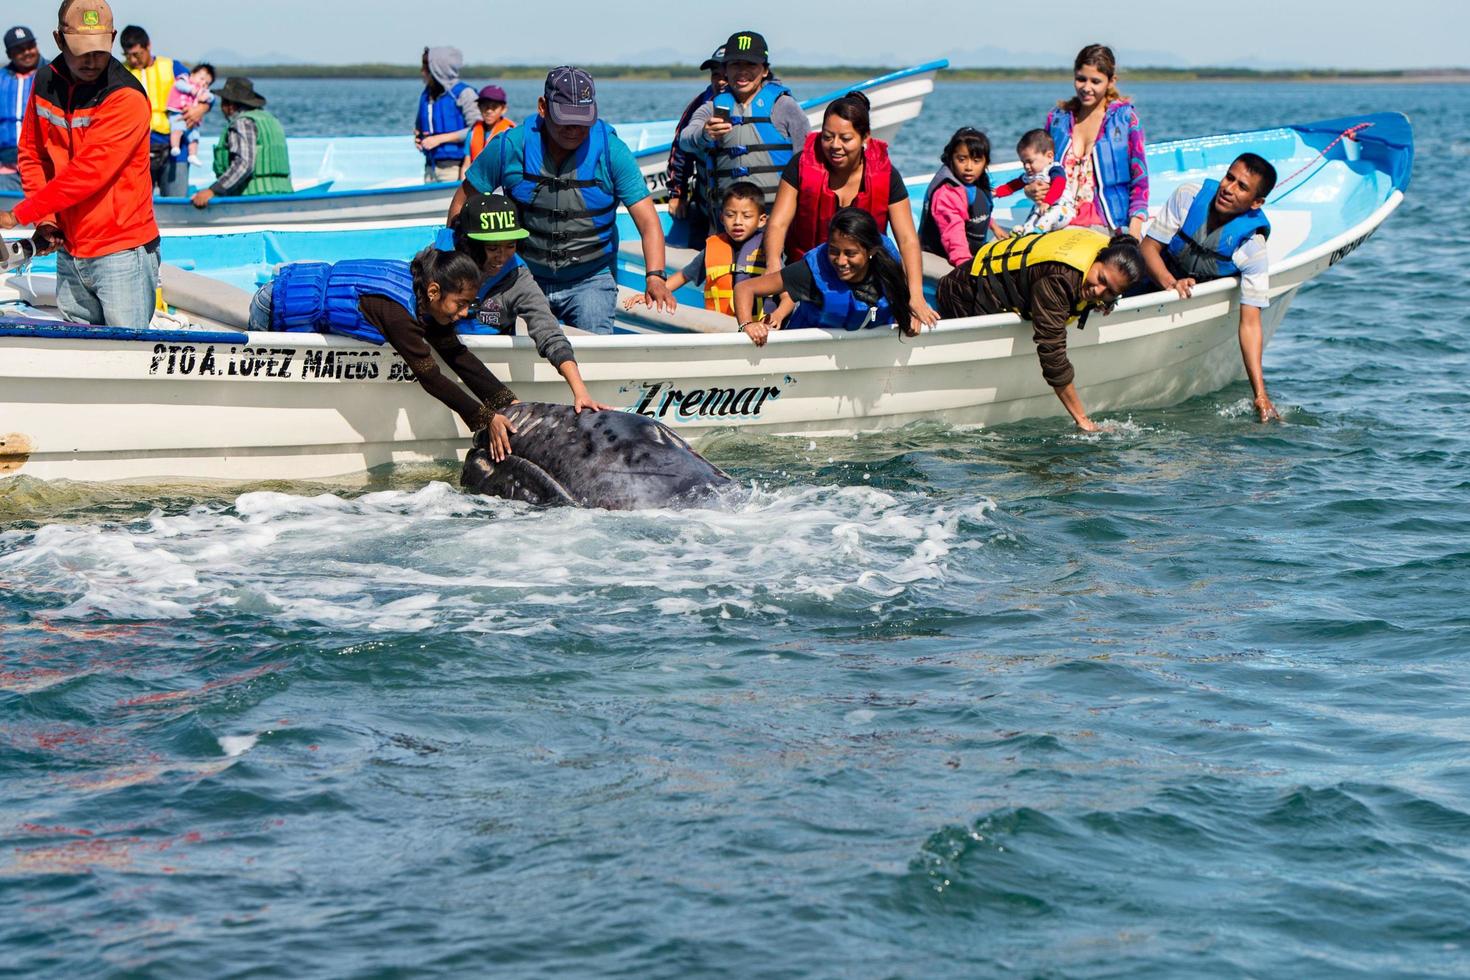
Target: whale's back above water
(609, 459)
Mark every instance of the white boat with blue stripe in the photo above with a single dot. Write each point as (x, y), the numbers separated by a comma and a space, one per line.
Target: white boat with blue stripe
(215, 401)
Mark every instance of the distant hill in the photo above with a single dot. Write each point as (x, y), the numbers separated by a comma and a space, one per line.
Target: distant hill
(614, 72)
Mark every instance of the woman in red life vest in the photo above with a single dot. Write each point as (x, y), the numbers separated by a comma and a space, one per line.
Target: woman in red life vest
(842, 166)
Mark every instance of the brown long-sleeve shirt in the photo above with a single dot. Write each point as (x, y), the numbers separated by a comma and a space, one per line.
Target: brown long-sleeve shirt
(416, 341)
(1053, 290)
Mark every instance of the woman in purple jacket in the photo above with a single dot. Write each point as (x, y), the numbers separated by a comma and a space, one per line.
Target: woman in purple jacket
(1100, 143)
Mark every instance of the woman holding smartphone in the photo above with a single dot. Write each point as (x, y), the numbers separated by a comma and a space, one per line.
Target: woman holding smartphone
(751, 130)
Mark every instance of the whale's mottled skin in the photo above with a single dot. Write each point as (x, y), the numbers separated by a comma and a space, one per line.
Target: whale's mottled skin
(609, 459)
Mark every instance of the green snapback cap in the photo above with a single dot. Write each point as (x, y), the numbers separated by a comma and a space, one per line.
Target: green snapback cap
(491, 218)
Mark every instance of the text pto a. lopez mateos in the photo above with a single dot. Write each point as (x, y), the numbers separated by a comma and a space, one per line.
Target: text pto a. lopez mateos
(217, 361)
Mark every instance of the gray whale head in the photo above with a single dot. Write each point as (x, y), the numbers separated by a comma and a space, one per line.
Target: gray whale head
(610, 459)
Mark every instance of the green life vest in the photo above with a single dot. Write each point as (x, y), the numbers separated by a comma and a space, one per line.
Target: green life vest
(272, 163)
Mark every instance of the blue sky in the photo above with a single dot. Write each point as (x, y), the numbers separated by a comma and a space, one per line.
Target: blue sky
(1311, 33)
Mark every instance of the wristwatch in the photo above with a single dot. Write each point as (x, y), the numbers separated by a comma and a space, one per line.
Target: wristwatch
(656, 274)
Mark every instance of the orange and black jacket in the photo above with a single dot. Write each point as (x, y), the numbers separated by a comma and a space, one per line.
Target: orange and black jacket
(83, 160)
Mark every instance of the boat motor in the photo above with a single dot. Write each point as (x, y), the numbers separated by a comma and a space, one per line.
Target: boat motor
(14, 255)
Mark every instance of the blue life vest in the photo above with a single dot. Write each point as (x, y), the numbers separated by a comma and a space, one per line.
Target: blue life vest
(840, 308)
(1109, 154)
(571, 214)
(753, 150)
(324, 297)
(487, 315)
(1203, 255)
(15, 92)
(443, 115)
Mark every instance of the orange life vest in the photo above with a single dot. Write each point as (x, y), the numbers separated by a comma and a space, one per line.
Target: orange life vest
(722, 266)
(478, 137)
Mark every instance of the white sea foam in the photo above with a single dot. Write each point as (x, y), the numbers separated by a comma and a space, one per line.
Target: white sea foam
(437, 558)
(237, 745)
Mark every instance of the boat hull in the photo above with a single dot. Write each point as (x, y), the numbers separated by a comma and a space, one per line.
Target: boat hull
(292, 407)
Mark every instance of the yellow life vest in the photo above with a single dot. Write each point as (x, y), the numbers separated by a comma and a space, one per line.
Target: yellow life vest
(1002, 261)
(158, 80)
(720, 266)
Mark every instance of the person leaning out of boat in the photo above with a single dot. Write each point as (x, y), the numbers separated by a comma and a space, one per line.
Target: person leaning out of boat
(568, 172)
(447, 107)
(488, 230)
(855, 281)
(251, 158)
(1049, 279)
(687, 174)
(955, 220)
(169, 167)
(23, 60)
(1100, 143)
(414, 306)
(752, 129)
(84, 165)
(1217, 229)
(843, 165)
(492, 103)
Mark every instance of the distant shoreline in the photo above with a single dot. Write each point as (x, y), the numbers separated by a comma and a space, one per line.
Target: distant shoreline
(839, 73)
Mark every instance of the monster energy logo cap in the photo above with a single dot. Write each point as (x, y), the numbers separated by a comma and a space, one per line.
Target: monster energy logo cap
(746, 46)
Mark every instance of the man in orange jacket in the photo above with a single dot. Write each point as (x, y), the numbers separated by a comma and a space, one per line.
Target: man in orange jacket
(84, 167)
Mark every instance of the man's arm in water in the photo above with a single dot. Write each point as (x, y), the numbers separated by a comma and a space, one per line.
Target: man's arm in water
(1250, 352)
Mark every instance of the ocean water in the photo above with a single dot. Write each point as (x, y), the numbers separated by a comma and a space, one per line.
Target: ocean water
(1185, 698)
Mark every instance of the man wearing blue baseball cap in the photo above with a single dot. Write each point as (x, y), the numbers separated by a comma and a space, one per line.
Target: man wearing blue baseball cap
(17, 79)
(569, 172)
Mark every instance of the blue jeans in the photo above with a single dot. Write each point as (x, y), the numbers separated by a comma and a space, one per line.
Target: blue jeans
(9, 182)
(587, 304)
(170, 173)
(260, 307)
(117, 290)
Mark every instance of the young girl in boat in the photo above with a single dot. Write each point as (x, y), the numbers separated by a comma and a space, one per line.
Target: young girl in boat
(413, 306)
(957, 204)
(856, 281)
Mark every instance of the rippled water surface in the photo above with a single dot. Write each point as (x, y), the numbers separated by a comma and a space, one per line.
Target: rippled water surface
(1185, 698)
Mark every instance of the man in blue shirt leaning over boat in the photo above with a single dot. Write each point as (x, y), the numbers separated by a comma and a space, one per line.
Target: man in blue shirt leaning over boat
(568, 171)
(1217, 229)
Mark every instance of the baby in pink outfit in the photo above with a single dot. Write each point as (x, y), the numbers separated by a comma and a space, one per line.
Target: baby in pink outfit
(188, 91)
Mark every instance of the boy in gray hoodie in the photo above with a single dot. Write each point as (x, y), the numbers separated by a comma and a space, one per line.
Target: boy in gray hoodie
(487, 230)
(446, 110)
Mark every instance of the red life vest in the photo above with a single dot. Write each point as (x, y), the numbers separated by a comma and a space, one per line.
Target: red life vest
(478, 136)
(816, 202)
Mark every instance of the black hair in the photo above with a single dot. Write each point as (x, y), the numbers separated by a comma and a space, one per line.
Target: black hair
(978, 145)
(132, 36)
(450, 271)
(1261, 168)
(744, 190)
(1122, 253)
(205, 66)
(854, 107)
(1037, 141)
(858, 224)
